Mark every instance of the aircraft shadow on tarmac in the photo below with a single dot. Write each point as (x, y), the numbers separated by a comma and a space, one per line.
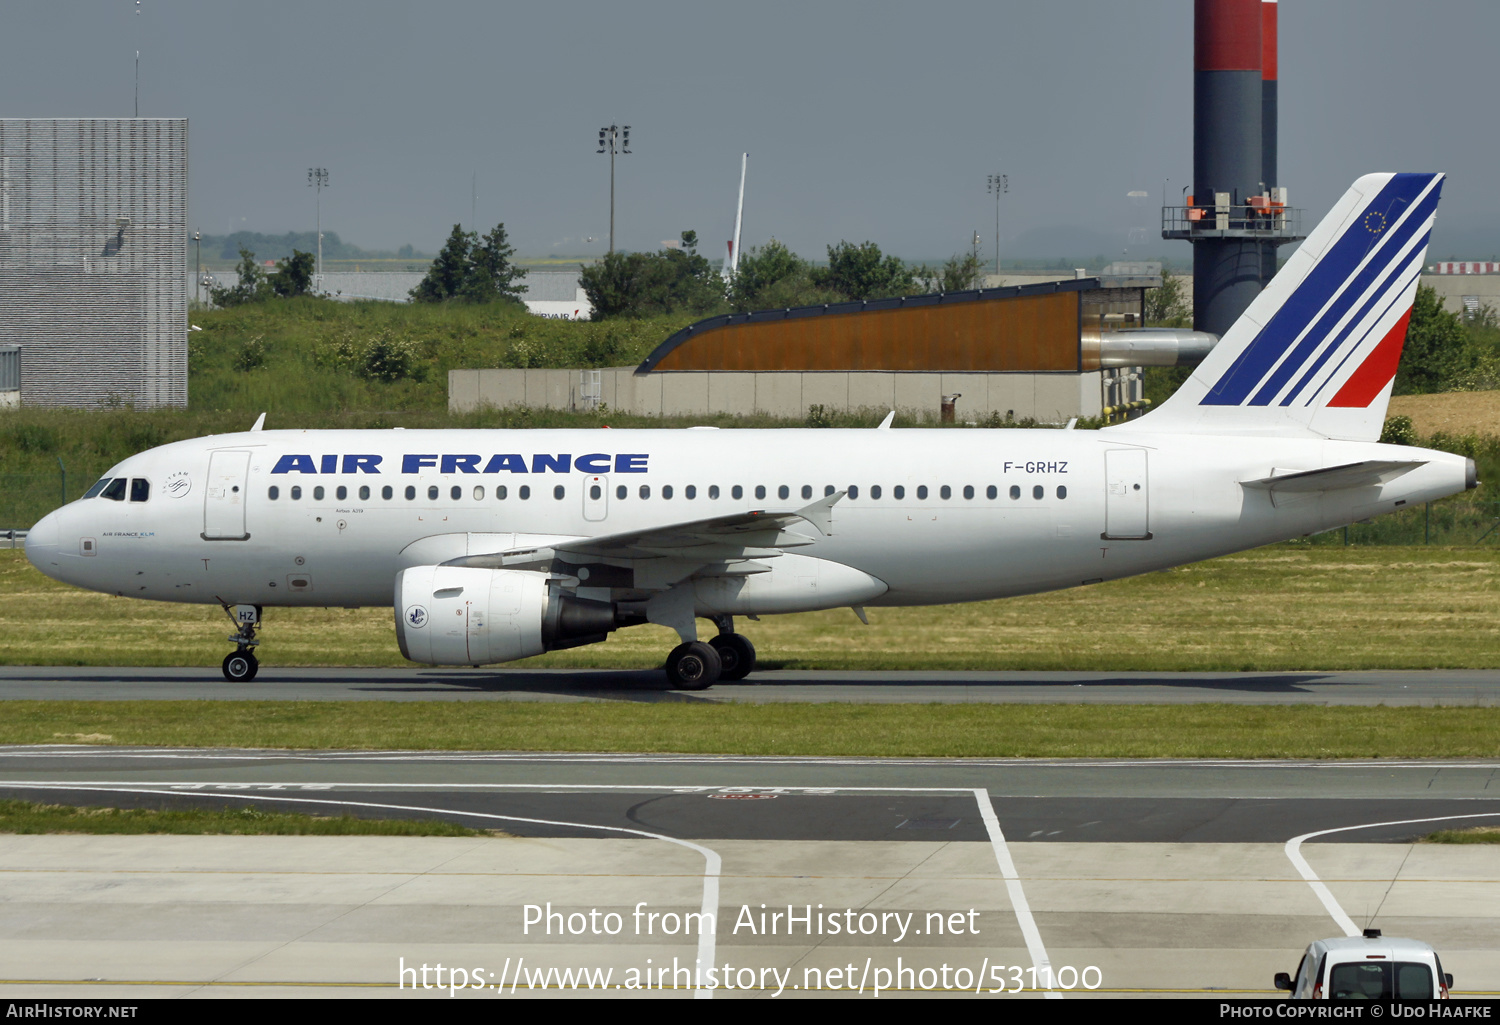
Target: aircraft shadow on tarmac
(651, 685)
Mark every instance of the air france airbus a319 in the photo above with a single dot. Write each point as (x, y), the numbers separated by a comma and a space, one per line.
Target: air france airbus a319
(496, 545)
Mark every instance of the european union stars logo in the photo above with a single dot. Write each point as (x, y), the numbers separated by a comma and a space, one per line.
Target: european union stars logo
(1374, 222)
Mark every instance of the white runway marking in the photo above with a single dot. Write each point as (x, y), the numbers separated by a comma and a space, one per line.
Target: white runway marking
(713, 865)
(1294, 853)
(1018, 900)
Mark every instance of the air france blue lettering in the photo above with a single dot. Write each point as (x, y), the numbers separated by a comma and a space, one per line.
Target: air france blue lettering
(362, 464)
(330, 464)
(460, 464)
(591, 463)
(411, 463)
(512, 461)
(541, 463)
(294, 464)
(630, 463)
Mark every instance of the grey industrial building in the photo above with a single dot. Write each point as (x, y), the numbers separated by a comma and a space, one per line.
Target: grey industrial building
(93, 259)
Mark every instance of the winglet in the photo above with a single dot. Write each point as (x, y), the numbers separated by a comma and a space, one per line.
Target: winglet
(260, 422)
(820, 513)
(885, 424)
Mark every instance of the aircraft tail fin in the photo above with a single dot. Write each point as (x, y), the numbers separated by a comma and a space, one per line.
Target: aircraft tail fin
(1315, 355)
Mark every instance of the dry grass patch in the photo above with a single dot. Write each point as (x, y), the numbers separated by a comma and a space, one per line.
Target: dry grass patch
(1464, 412)
(1276, 608)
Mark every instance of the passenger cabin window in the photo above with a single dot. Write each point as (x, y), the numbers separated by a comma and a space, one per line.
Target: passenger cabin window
(645, 490)
(559, 492)
(273, 492)
(140, 489)
(364, 493)
(760, 491)
(116, 490)
(736, 492)
(690, 491)
(898, 492)
(874, 490)
(455, 492)
(595, 492)
(853, 490)
(922, 492)
(524, 492)
(807, 491)
(387, 492)
(411, 493)
(713, 491)
(991, 492)
(93, 492)
(296, 492)
(945, 492)
(1038, 491)
(1015, 491)
(968, 491)
(432, 492)
(666, 491)
(318, 493)
(341, 493)
(502, 492)
(1062, 492)
(783, 492)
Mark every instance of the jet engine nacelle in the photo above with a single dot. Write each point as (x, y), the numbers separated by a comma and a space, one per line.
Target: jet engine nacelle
(454, 616)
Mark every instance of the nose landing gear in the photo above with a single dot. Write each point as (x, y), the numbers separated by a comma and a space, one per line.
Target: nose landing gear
(241, 665)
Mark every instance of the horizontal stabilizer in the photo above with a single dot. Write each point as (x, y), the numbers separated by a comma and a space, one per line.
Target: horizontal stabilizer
(1331, 478)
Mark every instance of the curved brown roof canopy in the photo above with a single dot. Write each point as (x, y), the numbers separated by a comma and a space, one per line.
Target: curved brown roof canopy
(1027, 328)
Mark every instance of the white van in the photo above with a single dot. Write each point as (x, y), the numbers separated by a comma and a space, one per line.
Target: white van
(1368, 967)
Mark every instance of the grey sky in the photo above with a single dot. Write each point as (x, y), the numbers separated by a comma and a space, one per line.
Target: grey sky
(872, 120)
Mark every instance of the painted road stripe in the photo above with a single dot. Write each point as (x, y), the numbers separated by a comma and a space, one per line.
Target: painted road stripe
(1034, 945)
(1294, 853)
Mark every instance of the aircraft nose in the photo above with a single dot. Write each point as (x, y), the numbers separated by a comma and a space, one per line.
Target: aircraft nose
(42, 541)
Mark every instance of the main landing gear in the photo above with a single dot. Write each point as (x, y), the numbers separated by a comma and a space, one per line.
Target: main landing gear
(697, 665)
(241, 665)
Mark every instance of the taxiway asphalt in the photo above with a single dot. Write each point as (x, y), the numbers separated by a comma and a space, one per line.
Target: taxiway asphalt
(1471, 688)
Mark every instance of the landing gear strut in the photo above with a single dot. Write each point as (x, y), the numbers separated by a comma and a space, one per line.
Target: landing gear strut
(241, 665)
(696, 665)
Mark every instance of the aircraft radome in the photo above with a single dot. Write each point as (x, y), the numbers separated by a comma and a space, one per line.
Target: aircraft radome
(496, 545)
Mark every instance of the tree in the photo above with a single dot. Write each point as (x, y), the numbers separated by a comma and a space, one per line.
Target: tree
(491, 276)
(1439, 354)
(643, 284)
(251, 286)
(293, 276)
(1168, 305)
(446, 277)
(957, 274)
(861, 272)
(770, 276)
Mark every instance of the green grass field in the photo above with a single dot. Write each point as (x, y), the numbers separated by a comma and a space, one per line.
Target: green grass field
(930, 731)
(1283, 607)
(30, 817)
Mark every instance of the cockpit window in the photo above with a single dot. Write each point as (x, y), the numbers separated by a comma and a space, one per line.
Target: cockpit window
(115, 492)
(93, 492)
(140, 489)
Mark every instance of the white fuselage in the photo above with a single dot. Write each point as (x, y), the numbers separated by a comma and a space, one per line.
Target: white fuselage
(1091, 506)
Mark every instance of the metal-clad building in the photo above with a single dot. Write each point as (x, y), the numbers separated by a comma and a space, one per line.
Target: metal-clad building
(93, 259)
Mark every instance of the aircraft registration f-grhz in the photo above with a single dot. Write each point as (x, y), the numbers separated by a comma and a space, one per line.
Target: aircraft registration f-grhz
(497, 545)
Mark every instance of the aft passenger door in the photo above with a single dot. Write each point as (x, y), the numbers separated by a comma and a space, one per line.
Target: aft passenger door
(224, 499)
(1126, 495)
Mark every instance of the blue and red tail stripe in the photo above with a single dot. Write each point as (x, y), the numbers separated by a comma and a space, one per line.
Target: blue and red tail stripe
(1376, 251)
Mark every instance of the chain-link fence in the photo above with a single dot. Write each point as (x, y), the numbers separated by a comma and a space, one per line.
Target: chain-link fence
(27, 497)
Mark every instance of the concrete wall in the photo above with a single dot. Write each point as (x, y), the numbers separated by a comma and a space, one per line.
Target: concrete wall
(1045, 397)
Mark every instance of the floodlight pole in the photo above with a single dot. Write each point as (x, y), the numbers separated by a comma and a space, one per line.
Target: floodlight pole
(317, 180)
(613, 139)
(999, 184)
(197, 265)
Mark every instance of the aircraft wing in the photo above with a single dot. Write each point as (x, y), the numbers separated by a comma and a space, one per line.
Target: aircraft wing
(1331, 478)
(760, 533)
